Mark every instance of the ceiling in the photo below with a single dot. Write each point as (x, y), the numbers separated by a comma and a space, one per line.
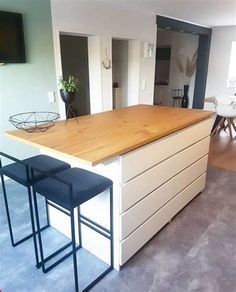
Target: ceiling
(208, 13)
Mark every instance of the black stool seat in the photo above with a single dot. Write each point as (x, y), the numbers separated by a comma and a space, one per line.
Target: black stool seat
(20, 171)
(86, 185)
(17, 171)
(66, 191)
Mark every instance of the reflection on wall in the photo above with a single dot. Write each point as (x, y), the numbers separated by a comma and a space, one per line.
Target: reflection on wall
(183, 52)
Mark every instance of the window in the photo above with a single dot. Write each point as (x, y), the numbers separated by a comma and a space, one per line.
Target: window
(232, 67)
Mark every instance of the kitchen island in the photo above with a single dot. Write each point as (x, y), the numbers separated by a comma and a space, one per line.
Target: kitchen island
(156, 157)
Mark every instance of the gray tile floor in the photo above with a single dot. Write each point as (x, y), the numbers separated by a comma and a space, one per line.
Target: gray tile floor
(196, 252)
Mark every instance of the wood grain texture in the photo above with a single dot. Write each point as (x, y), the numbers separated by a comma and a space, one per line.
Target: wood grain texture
(103, 136)
(222, 151)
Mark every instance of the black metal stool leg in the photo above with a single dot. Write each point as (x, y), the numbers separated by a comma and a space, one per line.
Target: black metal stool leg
(47, 212)
(33, 227)
(7, 210)
(74, 249)
(79, 227)
(38, 231)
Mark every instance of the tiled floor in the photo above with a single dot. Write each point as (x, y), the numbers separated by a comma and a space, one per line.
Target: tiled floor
(196, 252)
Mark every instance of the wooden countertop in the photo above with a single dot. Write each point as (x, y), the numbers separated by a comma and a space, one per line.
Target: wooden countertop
(102, 136)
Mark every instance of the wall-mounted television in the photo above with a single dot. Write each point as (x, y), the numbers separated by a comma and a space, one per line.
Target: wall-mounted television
(12, 44)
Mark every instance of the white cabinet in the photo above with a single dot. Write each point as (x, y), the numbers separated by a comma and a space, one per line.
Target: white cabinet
(147, 230)
(157, 181)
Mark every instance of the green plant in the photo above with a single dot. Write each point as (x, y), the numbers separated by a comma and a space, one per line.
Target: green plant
(70, 86)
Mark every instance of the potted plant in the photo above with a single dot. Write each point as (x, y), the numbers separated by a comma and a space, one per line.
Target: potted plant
(68, 89)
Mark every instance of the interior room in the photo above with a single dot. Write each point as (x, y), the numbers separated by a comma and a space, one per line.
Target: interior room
(120, 62)
(117, 145)
(181, 46)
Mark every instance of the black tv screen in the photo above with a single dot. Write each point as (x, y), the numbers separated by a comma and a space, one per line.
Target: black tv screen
(12, 45)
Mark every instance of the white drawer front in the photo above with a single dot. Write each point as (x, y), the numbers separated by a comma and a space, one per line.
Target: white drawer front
(137, 161)
(140, 236)
(140, 212)
(136, 189)
(191, 154)
(193, 134)
(184, 178)
(136, 215)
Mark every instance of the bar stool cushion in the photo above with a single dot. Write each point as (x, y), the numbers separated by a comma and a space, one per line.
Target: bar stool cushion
(86, 185)
(17, 171)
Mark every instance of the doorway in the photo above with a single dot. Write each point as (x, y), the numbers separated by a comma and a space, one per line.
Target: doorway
(202, 55)
(74, 60)
(176, 58)
(120, 56)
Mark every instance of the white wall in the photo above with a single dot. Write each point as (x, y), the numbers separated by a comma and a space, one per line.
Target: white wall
(107, 20)
(221, 41)
(182, 45)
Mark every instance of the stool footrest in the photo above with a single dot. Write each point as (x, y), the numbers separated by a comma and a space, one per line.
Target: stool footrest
(95, 228)
(45, 270)
(97, 279)
(28, 236)
(94, 223)
(58, 208)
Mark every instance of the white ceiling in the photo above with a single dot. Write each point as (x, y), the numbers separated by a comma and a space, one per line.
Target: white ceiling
(209, 13)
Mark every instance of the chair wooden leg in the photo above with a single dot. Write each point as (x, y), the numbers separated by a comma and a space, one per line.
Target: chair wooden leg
(216, 128)
(222, 125)
(233, 124)
(230, 129)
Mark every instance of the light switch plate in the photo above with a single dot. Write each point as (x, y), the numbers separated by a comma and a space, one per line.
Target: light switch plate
(51, 96)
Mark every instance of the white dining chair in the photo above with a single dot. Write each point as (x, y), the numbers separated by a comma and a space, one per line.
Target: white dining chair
(226, 109)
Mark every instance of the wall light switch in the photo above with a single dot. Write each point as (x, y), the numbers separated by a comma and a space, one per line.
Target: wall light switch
(51, 96)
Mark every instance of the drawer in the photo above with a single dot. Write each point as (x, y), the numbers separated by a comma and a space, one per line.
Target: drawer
(184, 178)
(140, 236)
(139, 160)
(140, 212)
(137, 188)
(136, 215)
(193, 134)
(191, 154)
(143, 158)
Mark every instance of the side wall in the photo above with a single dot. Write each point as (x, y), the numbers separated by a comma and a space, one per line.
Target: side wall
(107, 20)
(24, 87)
(220, 51)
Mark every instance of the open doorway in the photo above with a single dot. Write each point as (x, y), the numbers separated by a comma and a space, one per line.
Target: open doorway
(201, 57)
(74, 59)
(176, 60)
(120, 55)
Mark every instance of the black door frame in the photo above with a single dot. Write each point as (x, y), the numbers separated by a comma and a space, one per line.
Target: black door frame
(203, 53)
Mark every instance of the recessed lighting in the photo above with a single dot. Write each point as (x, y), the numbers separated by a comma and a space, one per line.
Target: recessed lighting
(167, 27)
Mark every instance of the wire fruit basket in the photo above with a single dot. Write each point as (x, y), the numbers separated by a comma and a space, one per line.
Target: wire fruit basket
(34, 121)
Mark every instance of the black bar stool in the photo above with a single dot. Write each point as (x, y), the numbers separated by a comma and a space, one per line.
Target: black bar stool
(19, 172)
(66, 191)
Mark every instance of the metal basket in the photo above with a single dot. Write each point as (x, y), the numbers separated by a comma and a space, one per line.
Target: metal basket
(34, 121)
